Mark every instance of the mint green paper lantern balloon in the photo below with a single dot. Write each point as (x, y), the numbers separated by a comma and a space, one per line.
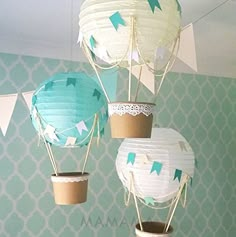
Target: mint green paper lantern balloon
(66, 105)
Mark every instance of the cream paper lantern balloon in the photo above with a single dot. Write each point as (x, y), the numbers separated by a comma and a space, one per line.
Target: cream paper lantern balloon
(157, 165)
(107, 28)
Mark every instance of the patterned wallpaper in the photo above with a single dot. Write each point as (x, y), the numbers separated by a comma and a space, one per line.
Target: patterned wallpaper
(202, 108)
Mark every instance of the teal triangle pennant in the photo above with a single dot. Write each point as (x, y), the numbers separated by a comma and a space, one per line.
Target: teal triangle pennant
(48, 85)
(102, 132)
(97, 93)
(92, 42)
(149, 200)
(153, 4)
(191, 181)
(131, 158)
(179, 7)
(116, 20)
(156, 166)
(178, 174)
(34, 99)
(49, 143)
(93, 55)
(71, 81)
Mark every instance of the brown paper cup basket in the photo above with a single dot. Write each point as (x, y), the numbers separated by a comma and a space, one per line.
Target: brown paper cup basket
(131, 119)
(70, 188)
(152, 229)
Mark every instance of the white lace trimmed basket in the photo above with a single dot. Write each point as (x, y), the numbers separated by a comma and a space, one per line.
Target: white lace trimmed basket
(131, 119)
(70, 188)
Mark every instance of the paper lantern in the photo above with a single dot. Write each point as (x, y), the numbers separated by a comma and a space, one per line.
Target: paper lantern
(66, 105)
(106, 28)
(156, 164)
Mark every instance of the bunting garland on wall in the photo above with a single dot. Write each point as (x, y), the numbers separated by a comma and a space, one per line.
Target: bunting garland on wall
(7, 105)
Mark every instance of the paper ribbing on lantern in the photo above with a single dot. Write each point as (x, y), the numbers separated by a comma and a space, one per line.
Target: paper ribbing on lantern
(28, 98)
(7, 105)
(147, 77)
(187, 51)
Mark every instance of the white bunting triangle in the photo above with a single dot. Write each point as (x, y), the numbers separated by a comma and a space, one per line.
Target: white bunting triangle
(187, 51)
(7, 105)
(70, 141)
(147, 77)
(28, 98)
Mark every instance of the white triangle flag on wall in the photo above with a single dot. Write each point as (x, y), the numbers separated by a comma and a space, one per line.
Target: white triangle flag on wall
(7, 105)
(187, 51)
(28, 98)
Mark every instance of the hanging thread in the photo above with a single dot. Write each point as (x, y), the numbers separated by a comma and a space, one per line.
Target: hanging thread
(90, 142)
(130, 57)
(95, 69)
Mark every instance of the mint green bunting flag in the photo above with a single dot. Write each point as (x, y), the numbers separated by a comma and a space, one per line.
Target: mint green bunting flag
(156, 166)
(71, 81)
(131, 158)
(92, 55)
(109, 79)
(179, 7)
(117, 20)
(34, 99)
(153, 4)
(92, 42)
(97, 93)
(149, 200)
(178, 174)
(102, 132)
(48, 85)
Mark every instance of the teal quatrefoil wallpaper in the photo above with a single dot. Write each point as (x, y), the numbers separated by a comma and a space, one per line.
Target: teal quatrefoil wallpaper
(201, 108)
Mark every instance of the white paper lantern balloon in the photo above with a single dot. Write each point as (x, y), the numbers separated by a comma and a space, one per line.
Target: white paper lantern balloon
(158, 164)
(106, 27)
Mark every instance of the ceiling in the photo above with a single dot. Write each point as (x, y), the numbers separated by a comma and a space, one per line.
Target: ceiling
(50, 29)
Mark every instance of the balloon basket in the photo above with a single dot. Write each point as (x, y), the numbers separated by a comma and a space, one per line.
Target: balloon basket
(131, 119)
(152, 229)
(70, 188)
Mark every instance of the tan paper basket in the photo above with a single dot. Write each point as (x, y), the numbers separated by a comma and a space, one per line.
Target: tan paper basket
(131, 119)
(152, 229)
(70, 188)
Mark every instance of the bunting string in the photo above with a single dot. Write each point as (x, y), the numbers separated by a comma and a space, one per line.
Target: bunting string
(209, 12)
(139, 82)
(95, 69)
(130, 57)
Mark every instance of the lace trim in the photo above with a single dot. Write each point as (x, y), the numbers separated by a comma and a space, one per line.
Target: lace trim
(132, 109)
(59, 179)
